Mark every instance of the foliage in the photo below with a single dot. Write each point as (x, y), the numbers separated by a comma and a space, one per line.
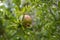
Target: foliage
(45, 19)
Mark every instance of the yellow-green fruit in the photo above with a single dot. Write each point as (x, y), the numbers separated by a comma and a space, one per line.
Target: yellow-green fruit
(27, 20)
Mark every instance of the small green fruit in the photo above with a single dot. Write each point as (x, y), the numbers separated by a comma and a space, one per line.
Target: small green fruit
(27, 20)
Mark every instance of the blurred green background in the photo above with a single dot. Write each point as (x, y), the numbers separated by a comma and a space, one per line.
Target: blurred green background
(45, 19)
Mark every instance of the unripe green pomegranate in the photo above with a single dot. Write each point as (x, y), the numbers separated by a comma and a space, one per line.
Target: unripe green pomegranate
(27, 20)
